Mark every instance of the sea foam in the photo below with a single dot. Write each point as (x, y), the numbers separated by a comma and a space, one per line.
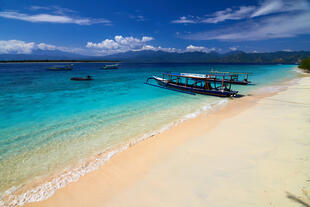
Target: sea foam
(13, 197)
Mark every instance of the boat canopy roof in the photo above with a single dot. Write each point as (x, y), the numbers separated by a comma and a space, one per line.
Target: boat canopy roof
(229, 73)
(195, 75)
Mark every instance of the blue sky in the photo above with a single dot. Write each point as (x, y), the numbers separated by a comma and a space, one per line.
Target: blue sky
(106, 27)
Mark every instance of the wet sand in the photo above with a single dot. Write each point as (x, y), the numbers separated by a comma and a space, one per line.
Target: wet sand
(254, 151)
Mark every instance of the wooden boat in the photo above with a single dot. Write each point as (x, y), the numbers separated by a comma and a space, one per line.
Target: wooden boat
(194, 83)
(106, 67)
(61, 67)
(238, 78)
(87, 78)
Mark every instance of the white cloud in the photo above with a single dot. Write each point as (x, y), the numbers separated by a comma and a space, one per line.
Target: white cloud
(16, 46)
(106, 47)
(266, 7)
(287, 50)
(43, 46)
(229, 14)
(39, 8)
(184, 20)
(234, 48)
(22, 47)
(53, 9)
(138, 18)
(146, 39)
(279, 6)
(280, 26)
(124, 44)
(192, 48)
(159, 48)
(120, 44)
(51, 18)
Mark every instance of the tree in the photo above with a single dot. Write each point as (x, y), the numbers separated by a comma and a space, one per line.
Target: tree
(305, 64)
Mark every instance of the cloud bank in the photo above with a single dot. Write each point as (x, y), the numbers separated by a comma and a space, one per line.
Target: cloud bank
(124, 44)
(268, 20)
(16, 47)
(56, 15)
(120, 44)
(283, 26)
(266, 7)
(22, 47)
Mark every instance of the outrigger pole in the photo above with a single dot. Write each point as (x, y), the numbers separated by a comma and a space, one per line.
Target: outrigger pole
(172, 89)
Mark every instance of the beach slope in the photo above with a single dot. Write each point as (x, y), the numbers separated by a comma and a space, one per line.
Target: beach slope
(255, 151)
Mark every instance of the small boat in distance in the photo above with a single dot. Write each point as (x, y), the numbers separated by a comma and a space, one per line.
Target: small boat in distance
(61, 67)
(194, 83)
(106, 67)
(87, 78)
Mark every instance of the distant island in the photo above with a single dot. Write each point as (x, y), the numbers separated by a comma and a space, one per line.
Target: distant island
(158, 56)
(58, 61)
(305, 64)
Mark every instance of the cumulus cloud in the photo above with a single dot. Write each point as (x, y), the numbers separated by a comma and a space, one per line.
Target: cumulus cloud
(159, 48)
(192, 48)
(120, 44)
(124, 44)
(189, 48)
(266, 7)
(57, 16)
(16, 46)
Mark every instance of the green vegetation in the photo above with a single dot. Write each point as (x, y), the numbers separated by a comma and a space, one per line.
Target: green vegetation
(305, 64)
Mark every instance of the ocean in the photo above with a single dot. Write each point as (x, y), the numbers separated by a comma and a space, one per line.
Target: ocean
(54, 130)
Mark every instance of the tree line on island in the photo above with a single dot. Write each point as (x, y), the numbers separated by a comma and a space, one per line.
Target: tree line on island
(305, 64)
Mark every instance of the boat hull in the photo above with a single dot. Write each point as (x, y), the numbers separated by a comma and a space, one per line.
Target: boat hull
(59, 69)
(81, 79)
(198, 90)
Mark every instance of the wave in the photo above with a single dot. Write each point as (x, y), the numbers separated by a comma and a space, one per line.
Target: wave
(16, 197)
(300, 71)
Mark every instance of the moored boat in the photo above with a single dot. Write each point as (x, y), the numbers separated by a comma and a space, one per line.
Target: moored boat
(106, 67)
(61, 67)
(87, 78)
(194, 83)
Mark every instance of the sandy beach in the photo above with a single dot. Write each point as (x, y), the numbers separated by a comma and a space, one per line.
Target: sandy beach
(254, 151)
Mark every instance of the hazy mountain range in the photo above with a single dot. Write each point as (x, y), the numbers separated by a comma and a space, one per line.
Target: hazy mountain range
(150, 56)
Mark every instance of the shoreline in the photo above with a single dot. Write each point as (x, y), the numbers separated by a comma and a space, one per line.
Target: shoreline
(232, 109)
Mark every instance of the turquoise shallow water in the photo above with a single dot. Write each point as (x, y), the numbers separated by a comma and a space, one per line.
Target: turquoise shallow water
(49, 123)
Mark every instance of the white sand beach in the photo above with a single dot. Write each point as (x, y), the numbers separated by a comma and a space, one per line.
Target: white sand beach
(255, 151)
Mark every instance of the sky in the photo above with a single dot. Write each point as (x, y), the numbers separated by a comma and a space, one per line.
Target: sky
(106, 27)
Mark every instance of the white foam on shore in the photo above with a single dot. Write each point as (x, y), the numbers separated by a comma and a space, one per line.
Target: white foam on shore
(300, 71)
(13, 197)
